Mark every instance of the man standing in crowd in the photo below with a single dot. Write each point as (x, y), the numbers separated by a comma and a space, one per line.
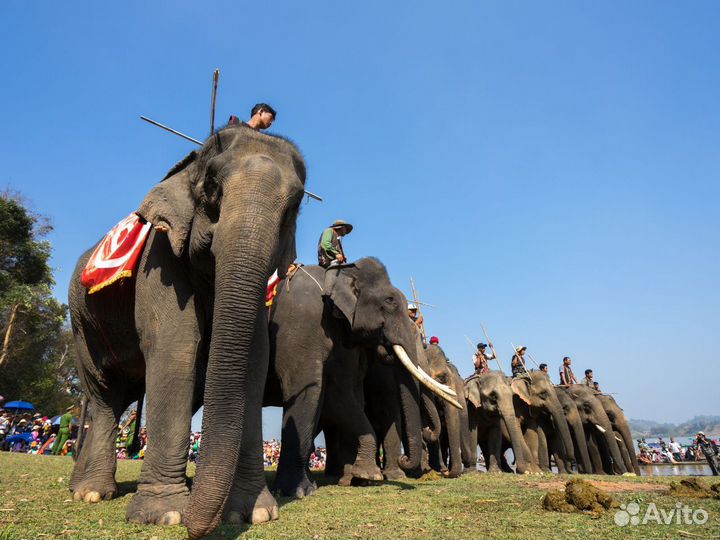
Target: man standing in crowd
(330, 250)
(567, 377)
(64, 431)
(481, 360)
(675, 450)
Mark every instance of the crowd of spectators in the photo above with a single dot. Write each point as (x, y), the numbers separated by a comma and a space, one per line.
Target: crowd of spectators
(664, 452)
(34, 433)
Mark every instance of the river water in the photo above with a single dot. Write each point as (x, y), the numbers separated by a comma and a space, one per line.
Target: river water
(689, 469)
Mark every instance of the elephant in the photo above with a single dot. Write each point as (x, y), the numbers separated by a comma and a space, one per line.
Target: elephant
(539, 412)
(322, 323)
(621, 428)
(190, 328)
(577, 431)
(492, 419)
(603, 449)
(453, 447)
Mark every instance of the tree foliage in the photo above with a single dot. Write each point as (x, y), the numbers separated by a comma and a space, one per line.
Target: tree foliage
(36, 352)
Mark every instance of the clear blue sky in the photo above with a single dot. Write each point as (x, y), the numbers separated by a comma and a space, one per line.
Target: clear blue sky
(550, 169)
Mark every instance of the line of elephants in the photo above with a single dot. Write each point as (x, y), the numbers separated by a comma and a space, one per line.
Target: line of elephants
(339, 355)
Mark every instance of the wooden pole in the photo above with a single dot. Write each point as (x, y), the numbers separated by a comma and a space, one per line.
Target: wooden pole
(492, 347)
(216, 77)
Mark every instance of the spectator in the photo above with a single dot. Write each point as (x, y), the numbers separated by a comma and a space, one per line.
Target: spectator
(675, 450)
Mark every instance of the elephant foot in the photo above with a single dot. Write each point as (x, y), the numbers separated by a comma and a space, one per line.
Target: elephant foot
(366, 472)
(345, 480)
(494, 469)
(450, 474)
(158, 504)
(95, 491)
(253, 509)
(295, 487)
(394, 474)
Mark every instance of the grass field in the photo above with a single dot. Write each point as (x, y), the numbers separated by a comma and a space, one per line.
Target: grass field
(35, 503)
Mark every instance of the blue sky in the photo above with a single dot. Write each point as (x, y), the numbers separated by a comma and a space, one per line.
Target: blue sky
(549, 169)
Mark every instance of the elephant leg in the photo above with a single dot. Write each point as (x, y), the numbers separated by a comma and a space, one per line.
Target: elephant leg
(543, 453)
(300, 419)
(333, 462)
(170, 381)
(93, 477)
(493, 457)
(391, 453)
(530, 447)
(250, 499)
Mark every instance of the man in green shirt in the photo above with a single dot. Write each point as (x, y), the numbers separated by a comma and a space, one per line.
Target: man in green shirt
(64, 431)
(330, 250)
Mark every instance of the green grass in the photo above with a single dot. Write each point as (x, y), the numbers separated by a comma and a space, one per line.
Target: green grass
(35, 503)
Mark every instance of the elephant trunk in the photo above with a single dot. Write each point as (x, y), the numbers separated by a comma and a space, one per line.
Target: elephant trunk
(627, 439)
(233, 399)
(452, 424)
(412, 433)
(609, 435)
(561, 424)
(507, 411)
(431, 432)
(584, 463)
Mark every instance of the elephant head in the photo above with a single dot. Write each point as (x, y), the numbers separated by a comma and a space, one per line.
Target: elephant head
(490, 394)
(538, 392)
(229, 210)
(620, 425)
(376, 316)
(576, 427)
(455, 420)
(596, 420)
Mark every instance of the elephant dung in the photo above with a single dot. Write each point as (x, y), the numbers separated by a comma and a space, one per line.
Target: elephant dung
(554, 501)
(693, 488)
(579, 496)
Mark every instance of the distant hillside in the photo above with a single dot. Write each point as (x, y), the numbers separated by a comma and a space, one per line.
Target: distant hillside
(649, 428)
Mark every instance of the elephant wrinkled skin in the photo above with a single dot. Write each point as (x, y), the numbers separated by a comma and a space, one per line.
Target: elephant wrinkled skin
(191, 327)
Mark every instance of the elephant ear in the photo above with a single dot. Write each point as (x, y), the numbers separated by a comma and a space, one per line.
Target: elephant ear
(340, 288)
(472, 394)
(171, 205)
(520, 389)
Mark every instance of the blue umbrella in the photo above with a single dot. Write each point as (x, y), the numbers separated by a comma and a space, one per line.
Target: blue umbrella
(19, 405)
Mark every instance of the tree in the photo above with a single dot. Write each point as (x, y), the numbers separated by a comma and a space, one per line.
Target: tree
(36, 361)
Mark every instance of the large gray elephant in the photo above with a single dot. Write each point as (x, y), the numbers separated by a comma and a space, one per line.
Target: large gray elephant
(621, 428)
(492, 420)
(321, 325)
(603, 449)
(539, 412)
(192, 326)
(453, 446)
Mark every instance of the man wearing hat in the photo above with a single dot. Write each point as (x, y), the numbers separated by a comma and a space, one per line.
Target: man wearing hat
(517, 363)
(64, 431)
(709, 449)
(481, 359)
(330, 250)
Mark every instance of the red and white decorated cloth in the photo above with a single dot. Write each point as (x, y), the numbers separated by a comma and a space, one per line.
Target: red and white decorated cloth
(117, 255)
(272, 286)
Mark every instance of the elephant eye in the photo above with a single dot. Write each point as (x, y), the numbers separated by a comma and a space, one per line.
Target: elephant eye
(390, 303)
(544, 395)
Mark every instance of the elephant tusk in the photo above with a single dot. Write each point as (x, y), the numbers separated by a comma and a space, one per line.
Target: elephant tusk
(441, 390)
(618, 439)
(600, 428)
